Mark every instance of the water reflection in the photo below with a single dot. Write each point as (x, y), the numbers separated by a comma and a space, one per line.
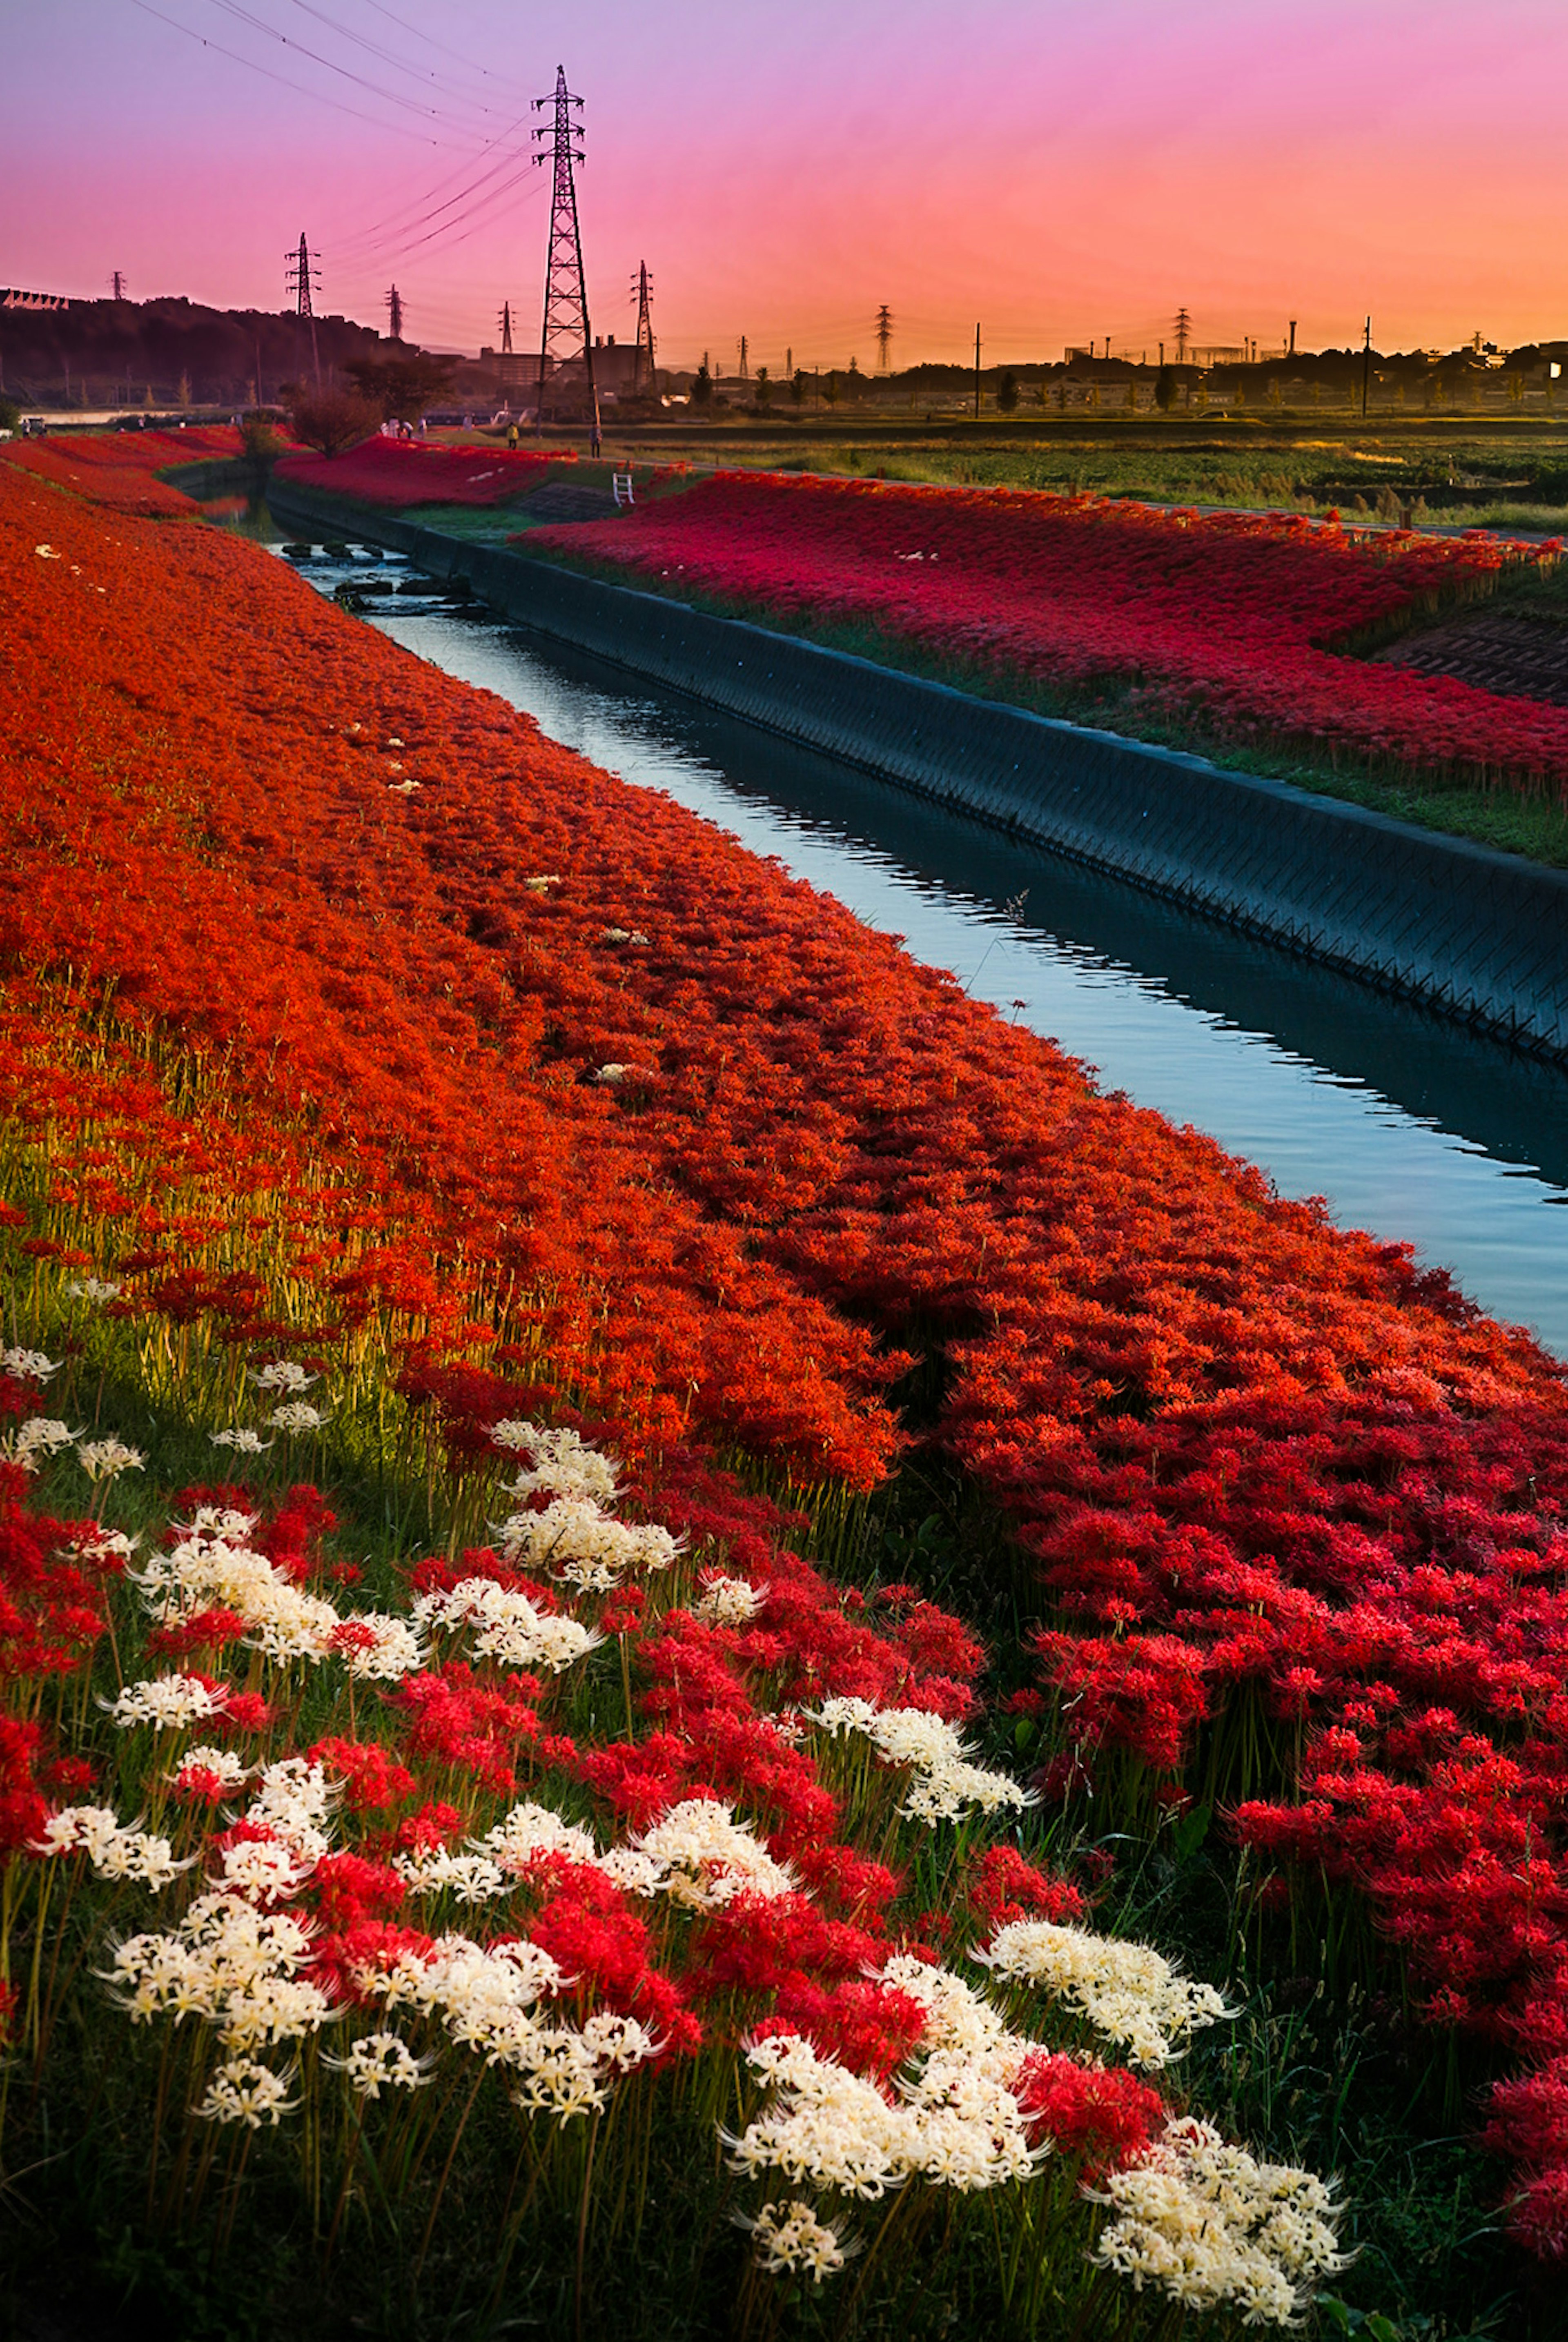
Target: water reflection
(1406, 1123)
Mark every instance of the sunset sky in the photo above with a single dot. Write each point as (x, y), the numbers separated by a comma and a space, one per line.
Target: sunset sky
(1059, 171)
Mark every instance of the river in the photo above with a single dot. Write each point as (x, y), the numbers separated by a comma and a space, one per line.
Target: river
(1405, 1123)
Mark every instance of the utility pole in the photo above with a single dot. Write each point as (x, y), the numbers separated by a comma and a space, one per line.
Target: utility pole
(504, 322)
(566, 285)
(643, 359)
(883, 336)
(977, 374)
(1366, 366)
(395, 311)
(1291, 350)
(303, 270)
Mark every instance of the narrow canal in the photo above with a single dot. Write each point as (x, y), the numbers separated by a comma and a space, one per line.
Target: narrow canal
(1408, 1126)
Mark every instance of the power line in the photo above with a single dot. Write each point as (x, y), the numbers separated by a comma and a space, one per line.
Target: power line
(456, 231)
(389, 57)
(375, 237)
(441, 47)
(397, 129)
(259, 24)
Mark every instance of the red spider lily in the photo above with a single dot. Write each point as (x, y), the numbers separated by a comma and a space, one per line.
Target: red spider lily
(1105, 2118)
(373, 1779)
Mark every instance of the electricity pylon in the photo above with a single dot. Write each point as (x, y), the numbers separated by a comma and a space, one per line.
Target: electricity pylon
(883, 336)
(303, 271)
(566, 285)
(1183, 332)
(395, 311)
(504, 322)
(643, 361)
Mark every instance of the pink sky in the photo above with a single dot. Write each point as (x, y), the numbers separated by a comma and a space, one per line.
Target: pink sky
(1058, 172)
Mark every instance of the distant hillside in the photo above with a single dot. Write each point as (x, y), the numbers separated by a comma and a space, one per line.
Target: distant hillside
(123, 353)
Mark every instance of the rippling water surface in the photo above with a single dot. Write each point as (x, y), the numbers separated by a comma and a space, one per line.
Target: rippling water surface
(1408, 1126)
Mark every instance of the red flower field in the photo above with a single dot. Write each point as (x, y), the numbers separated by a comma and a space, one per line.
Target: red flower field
(1234, 621)
(400, 475)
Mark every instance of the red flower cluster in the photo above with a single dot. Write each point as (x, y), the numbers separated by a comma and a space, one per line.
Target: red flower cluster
(115, 470)
(51, 1585)
(1238, 620)
(399, 475)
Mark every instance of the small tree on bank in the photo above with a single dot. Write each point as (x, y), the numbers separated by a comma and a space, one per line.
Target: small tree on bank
(1007, 395)
(330, 420)
(400, 389)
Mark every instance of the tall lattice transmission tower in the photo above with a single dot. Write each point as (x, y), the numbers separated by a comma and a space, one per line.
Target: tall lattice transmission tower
(1183, 329)
(883, 336)
(394, 312)
(643, 361)
(566, 286)
(303, 272)
(504, 322)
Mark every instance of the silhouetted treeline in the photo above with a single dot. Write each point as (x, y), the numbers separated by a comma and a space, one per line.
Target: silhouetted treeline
(115, 353)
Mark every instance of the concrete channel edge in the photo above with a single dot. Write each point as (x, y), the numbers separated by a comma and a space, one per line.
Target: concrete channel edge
(1479, 935)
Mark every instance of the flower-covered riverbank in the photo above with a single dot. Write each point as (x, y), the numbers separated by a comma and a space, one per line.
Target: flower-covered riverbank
(502, 1160)
(1235, 625)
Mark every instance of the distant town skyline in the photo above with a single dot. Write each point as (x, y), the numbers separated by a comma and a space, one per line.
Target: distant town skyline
(1060, 173)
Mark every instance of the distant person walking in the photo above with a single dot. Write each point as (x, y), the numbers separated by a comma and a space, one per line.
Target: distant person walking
(511, 439)
(595, 445)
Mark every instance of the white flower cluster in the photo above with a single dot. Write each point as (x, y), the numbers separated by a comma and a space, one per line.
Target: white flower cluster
(106, 1459)
(233, 1965)
(946, 1786)
(583, 1545)
(115, 1852)
(211, 1567)
(90, 1542)
(564, 1465)
(1125, 1991)
(972, 2133)
(789, 2236)
(485, 1997)
(706, 1857)
(294, 1803)
(507, 1625)
(243, 1442)
(169, 1703)
(224, 1765)
(33, 1442)
(30, 1365)
(436, 1870)
(530, 1832)
(241, 2091)
(283, 1374)
(728, 1601)
(93, 1288)
(295, 1415)
(955, 2123)
(382, 2061)
(1208, 2224)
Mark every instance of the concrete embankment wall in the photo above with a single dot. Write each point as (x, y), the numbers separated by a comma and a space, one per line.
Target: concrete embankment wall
(1480, 936)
